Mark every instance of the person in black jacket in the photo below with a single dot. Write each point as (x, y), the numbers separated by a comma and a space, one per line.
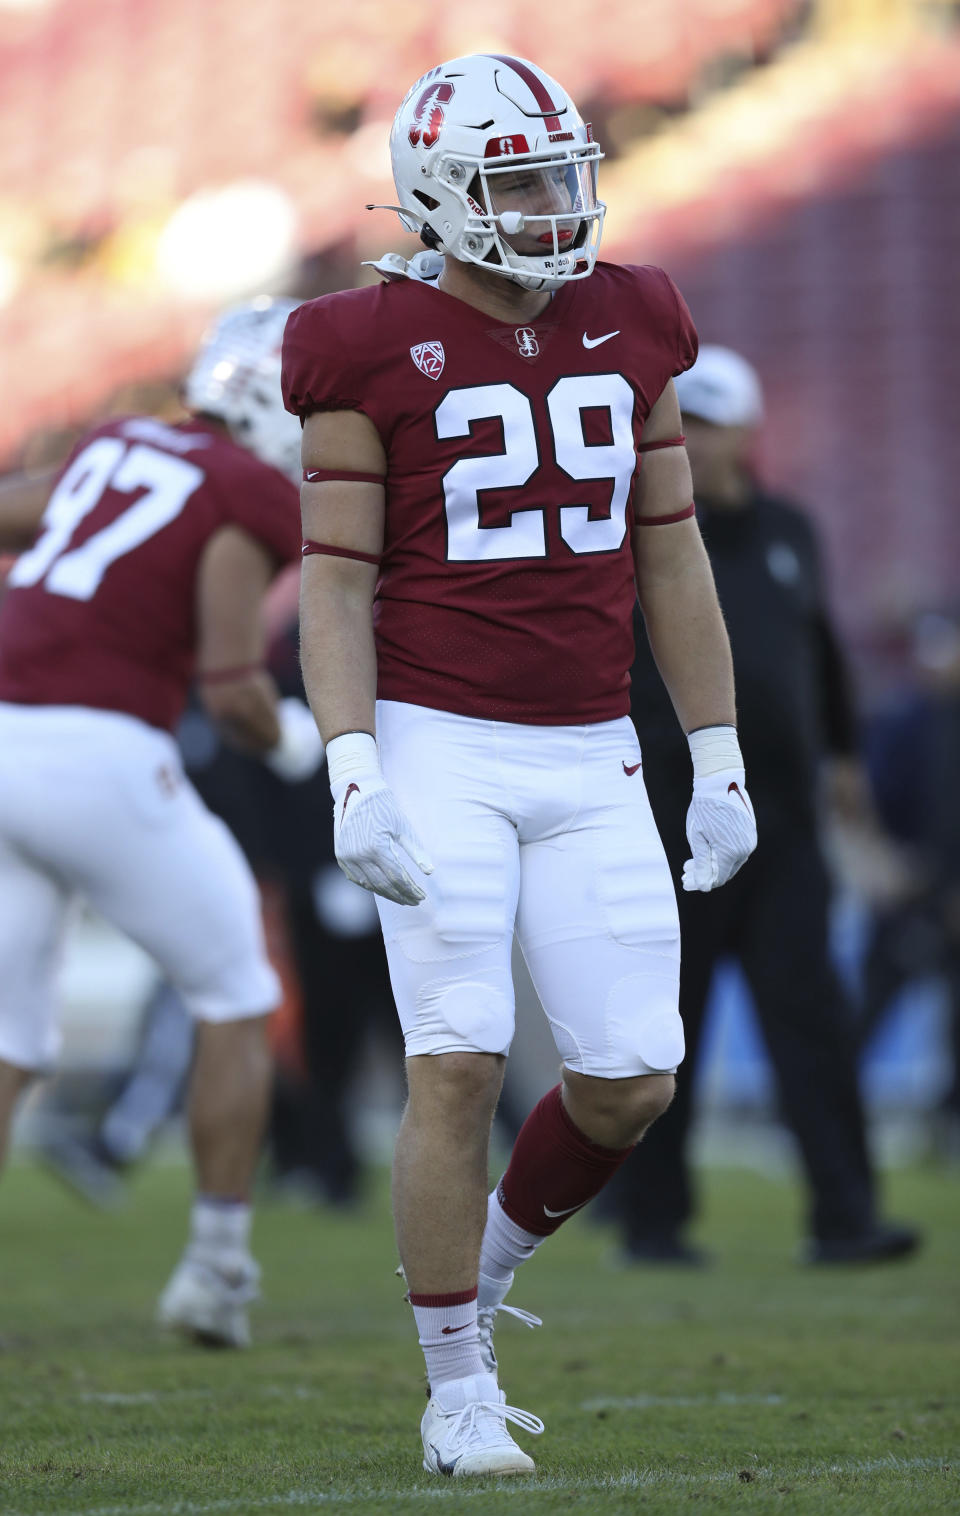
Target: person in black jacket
(795, 710)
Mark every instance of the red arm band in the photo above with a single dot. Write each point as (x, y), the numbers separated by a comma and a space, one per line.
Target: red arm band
(321, 475)
(651, 447)
(666, 520)
(337, 552)
(223, 676)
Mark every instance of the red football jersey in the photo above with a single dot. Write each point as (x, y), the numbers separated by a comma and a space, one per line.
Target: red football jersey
(101, 610)
(507, 582)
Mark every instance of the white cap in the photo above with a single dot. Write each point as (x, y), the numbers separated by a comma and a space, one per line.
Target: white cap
(721, 387)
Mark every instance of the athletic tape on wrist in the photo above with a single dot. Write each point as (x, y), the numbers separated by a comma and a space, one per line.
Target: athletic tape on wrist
(350, 754)
(714, 750)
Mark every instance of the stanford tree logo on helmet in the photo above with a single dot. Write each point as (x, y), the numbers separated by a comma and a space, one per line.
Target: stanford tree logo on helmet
(494, 165)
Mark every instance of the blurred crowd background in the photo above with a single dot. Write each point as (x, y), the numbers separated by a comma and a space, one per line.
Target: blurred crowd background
(794, 164)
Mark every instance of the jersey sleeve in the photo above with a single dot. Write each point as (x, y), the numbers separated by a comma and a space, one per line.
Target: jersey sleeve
(680, 324)
(318, 372)
(264, 503)
(664, 323)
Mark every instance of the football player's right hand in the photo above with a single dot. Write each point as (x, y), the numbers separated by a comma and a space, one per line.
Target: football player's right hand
(372, 838)
(299, 752)
(370, 832)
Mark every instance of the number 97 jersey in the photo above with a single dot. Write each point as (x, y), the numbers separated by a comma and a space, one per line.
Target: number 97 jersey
(102, 609)
(506, 586)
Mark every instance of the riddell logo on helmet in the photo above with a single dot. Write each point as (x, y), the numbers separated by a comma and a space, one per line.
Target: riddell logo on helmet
(428, 116)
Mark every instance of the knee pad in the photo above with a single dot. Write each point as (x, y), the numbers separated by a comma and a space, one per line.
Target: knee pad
(474, 1014)
(644, 1025)
(638, 1031)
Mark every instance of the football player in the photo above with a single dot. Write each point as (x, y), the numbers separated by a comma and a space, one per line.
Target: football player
(493, 469)
(155, 549)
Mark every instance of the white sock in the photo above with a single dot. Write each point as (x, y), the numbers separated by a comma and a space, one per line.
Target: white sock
(220, 1226)
(449, 1336)
(505, 1246)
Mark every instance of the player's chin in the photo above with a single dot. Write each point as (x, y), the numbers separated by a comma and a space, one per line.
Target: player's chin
(528, 248)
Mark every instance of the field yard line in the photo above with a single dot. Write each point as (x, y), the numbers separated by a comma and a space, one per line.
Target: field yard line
(646, 1402)
(140, 1397)
(526, 1488)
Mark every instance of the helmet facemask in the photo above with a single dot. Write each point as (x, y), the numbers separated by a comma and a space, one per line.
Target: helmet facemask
(515, 207)
(494, 166)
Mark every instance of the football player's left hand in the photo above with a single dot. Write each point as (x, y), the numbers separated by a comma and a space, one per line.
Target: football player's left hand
(721, 830)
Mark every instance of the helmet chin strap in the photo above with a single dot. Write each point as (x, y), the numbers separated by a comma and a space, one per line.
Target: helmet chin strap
(511, 222)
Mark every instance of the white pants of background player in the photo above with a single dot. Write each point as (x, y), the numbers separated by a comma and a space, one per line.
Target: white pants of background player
(546, 830)
(96, 804)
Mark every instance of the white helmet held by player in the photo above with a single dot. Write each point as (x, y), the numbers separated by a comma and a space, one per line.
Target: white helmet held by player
(494, 165)
(236, 377)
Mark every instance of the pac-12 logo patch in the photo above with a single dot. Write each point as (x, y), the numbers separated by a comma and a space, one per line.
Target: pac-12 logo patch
(429, 358)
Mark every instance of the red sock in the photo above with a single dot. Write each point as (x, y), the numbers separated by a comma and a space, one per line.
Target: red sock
(554, 1169)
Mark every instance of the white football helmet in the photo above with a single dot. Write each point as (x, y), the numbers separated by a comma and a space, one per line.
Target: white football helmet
(236, 376)
(494, 165)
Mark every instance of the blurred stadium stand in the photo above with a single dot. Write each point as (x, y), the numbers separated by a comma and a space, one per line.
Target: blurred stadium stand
(796, 167)
(122, 121)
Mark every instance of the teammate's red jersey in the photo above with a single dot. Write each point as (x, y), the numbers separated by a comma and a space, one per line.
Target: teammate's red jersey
(507, 580)
(101, 611)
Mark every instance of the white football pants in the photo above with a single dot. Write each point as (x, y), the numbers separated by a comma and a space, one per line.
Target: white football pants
(546, 829)
(96, 804)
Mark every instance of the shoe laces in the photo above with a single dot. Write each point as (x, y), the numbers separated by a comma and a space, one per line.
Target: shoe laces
(464, 1423)
(242, 1290)
(486, 1314)
(485, 1322)
(239, 1281)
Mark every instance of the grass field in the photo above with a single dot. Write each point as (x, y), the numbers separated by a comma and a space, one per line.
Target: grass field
(755, 1386)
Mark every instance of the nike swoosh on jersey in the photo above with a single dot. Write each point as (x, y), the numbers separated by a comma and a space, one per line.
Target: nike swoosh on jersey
(630, 768)
(596, 341)
(547, 1211)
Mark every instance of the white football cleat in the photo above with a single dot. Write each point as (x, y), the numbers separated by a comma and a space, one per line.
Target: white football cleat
(485, 1321)
(206, 1300)
(465, 1431)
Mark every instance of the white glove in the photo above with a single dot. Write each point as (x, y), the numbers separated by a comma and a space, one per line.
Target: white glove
(369, 828)
(299, 752)
(721, 827)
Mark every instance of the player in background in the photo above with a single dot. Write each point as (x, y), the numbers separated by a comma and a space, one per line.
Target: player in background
(156, 547)
(477, 531)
